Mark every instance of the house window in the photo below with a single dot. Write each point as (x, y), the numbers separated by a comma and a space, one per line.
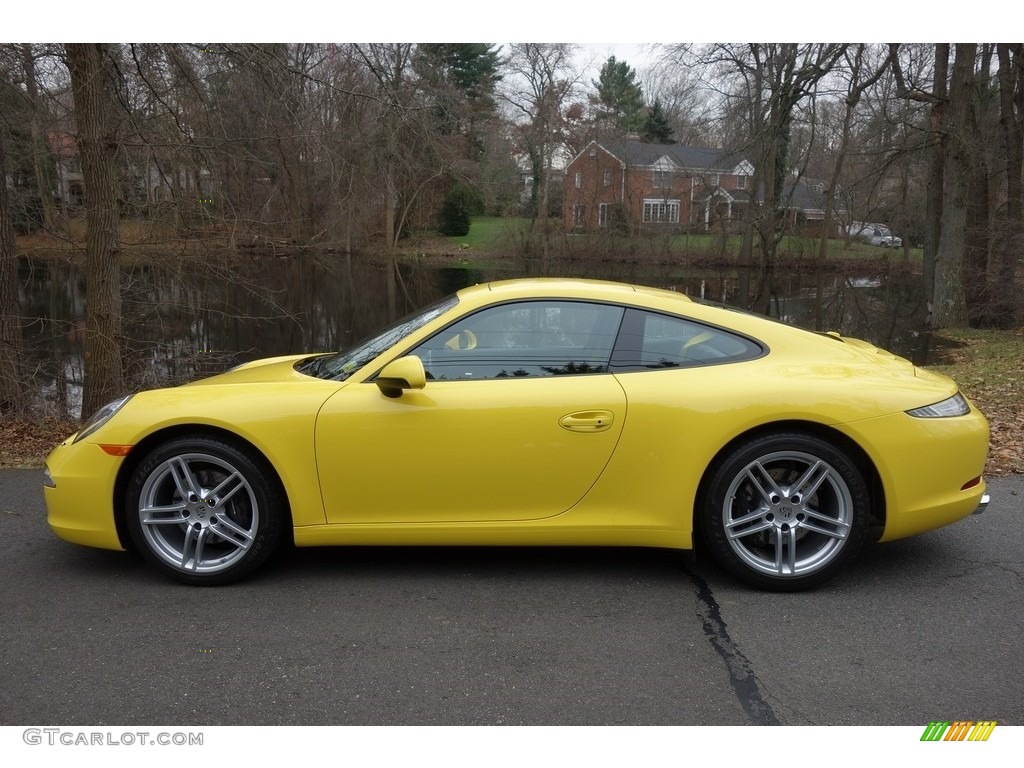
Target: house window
(662, 211)
(602, 215)
(662, 171)
(579, 215)
(698, 180)
(579, 179)
(715, 179)
(606, 180)
(741, 182)
(661, 179)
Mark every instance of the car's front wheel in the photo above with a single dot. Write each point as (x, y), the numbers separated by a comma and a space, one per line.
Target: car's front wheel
(785, 511)
(205, 511)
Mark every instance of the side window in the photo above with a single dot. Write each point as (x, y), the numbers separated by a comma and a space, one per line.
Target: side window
(650, 341)
(530, 338)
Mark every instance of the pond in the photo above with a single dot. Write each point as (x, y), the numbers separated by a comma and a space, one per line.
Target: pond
(188, 319)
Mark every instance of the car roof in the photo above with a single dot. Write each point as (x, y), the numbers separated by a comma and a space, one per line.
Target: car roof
(561, 288)
(768, 331)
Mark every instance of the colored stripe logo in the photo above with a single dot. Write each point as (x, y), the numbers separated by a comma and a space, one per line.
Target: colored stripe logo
(958, 730)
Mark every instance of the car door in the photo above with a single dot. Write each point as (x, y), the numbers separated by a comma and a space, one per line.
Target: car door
(518, 419)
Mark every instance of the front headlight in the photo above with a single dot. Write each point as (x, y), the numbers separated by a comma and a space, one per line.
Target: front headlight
(951, 406)
(101, 417)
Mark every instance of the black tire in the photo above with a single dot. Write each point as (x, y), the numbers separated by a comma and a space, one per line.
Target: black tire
(205, 511)
(784, 511)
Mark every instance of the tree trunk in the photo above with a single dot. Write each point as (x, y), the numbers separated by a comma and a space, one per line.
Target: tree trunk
(12, 391)
(950, 304)
(933, 201)
(977, 248)
(97, 142)
(38, 143)
(1011, 237)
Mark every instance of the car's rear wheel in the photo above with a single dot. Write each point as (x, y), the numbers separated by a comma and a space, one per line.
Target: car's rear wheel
(205, 511)
(785, 511)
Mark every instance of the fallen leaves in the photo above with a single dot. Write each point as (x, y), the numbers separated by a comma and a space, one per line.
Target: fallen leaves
(25, 443)
(989, 367)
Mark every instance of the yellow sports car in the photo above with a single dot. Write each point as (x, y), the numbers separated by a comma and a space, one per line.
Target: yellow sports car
(535, 412)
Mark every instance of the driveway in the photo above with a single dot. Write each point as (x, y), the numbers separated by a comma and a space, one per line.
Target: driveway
(920, 630)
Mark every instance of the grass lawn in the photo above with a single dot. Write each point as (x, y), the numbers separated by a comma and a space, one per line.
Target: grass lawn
(492, 233)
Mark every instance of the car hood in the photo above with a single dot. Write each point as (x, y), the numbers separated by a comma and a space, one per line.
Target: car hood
(267, 370)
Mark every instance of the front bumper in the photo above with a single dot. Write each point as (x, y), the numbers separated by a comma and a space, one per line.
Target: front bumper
(79, 493)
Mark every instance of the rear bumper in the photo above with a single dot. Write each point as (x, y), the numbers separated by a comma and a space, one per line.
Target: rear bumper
(932, 470)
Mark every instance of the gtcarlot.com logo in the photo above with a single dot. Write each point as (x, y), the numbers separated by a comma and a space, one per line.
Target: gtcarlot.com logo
(71, 738)
(958, 730)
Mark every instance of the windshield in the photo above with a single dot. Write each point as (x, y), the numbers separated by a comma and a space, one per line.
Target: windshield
(343, 364)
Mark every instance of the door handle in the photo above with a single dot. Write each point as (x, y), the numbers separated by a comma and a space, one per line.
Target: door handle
(587, 421)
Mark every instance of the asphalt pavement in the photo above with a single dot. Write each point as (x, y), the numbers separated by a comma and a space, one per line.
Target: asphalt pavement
(920, 630)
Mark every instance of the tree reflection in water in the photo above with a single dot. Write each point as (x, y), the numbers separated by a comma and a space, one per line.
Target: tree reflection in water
(189, 319)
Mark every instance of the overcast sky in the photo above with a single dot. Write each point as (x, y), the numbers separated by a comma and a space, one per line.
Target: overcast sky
(523, 20)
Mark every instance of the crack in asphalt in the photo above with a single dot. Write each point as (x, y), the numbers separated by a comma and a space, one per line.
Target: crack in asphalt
(985, 564)
(741, 672)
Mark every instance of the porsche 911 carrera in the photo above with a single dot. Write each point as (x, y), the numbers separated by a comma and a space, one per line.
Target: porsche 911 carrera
(535, 412)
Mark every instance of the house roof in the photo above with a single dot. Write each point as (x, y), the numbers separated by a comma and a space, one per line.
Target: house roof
(639, 153)
(807, 195)
(804, 194)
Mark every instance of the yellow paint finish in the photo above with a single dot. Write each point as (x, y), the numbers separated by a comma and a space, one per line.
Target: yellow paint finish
(464, 450)
(274, 409)
(555, 531)
(924, 464)
(80, 508)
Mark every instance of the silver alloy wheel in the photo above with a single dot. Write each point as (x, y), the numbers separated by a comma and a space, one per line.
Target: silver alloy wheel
(198, 513)
(787, 514)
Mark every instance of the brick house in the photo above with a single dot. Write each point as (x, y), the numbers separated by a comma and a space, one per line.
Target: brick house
(653, 185)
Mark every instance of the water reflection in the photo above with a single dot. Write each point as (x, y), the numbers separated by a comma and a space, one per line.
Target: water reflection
(189, 319)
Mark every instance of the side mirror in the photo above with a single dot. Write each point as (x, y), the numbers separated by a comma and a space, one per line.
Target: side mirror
(403, 373)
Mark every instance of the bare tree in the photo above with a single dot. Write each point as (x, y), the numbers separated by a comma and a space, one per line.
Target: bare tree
(540, 88)
(1009, 236)
(11, 390)
(937, 99)
(762, 84)
(858, 82)
(96, 117)
(949, 304)
(38, 141)
(684, 101)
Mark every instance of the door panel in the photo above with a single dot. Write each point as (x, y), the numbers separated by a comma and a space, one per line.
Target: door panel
(466, 450)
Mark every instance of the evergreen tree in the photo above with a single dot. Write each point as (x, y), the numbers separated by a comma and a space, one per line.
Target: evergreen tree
(461, 78)
(454, 214)
(619, 96)
(656, 127)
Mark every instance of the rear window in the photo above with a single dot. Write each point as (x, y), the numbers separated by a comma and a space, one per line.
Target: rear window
(651, 341)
